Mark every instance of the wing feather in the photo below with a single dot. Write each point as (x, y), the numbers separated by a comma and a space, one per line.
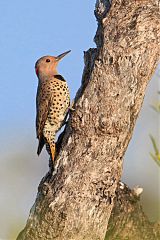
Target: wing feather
(42, 106)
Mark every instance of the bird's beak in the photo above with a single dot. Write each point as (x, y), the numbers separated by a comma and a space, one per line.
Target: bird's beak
(59, 57)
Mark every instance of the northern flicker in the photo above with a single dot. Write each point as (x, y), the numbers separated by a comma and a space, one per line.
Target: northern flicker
(52, 102)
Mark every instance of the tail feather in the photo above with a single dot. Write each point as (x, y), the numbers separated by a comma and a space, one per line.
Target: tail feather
(51, 149)
(40, 145)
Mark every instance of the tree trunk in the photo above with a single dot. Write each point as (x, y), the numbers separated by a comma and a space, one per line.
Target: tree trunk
(76, 199)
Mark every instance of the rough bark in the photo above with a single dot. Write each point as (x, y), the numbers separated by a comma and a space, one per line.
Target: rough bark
(128, 220)
(75, 200)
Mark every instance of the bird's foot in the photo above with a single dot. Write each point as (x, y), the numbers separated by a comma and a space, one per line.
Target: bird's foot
(71, 108)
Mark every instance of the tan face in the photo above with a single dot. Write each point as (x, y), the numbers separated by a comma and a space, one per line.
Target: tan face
(46, 65)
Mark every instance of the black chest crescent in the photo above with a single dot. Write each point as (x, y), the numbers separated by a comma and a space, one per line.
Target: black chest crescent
(59, 77)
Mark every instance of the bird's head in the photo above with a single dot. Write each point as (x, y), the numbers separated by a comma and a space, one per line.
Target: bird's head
(46, 66)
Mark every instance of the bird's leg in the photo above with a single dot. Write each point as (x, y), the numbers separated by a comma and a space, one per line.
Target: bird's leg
(71, 106)
(64, 121)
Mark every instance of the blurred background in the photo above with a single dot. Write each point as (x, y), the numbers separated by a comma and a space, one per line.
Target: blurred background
(29, 30)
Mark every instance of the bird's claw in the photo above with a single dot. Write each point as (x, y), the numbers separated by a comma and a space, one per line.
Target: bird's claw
(71, 108)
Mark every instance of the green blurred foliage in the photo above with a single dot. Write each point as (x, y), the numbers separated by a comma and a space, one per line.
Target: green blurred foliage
(156, 155)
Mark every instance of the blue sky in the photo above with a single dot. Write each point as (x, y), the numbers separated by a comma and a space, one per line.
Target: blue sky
(29, 30)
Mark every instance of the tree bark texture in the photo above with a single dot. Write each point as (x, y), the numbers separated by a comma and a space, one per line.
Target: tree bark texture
(76, 199)
(127, 220)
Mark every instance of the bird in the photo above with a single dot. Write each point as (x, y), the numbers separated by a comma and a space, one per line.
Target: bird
(52, 102)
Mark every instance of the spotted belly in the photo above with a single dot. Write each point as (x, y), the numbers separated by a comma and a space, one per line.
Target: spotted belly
(55, 120)
(58, 108)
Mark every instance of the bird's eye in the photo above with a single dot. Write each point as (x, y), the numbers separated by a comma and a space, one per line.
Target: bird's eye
(47, 60)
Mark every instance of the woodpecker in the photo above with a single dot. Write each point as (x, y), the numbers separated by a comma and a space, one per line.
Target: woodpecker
(52, 102)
